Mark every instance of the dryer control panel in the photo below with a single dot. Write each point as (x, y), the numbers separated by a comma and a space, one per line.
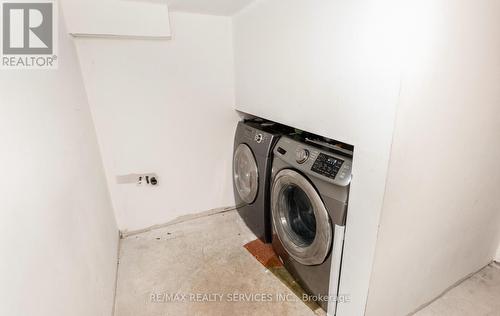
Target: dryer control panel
(328, 166)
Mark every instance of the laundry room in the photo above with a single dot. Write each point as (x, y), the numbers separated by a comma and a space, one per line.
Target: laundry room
(250, 157)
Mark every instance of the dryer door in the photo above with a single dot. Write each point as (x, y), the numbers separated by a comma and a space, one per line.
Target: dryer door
(245, 173)
(300, 218)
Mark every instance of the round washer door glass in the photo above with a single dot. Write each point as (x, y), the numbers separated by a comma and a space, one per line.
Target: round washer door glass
(300, 218)
(246, 174)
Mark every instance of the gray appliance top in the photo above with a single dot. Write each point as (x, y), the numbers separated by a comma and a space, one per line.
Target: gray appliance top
(260, 136)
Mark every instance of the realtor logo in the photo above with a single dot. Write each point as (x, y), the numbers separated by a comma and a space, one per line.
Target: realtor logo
(29, 34)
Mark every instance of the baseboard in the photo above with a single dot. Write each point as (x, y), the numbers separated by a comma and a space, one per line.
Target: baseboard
(180, 219)
(116, 272)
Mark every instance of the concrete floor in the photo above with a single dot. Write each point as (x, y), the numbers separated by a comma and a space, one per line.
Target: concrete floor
(203, 256)
(203, 261)
(477, 296)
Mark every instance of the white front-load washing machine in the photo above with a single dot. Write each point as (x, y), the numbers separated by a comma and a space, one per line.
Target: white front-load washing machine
(309, 195)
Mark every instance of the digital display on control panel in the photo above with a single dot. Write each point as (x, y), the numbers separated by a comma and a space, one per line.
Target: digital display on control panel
(327, 166)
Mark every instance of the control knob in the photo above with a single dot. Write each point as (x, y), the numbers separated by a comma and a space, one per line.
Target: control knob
(301, 155)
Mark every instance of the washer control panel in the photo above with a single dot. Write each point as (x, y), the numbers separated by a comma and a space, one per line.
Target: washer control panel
(326, 165)
(323, 164)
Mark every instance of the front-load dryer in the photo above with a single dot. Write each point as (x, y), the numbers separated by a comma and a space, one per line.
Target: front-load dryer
(253, 147)
(309, 195)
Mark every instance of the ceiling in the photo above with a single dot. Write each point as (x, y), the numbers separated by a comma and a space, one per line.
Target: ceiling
(214, 7)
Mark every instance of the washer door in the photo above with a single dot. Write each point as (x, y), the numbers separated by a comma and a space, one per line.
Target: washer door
(300, 218)
(245, 173)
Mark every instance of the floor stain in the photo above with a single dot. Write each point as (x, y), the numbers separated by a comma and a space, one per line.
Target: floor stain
(265, 254)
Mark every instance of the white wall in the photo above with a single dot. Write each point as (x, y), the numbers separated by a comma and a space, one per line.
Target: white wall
(59, 237)
(117, 18)
(332, 68)
(165, 107)
(440, 220)
(213, 7)
(497, 257)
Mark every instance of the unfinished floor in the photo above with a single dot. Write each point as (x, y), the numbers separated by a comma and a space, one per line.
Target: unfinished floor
(205, 257)
(479, 295)
(200, 256)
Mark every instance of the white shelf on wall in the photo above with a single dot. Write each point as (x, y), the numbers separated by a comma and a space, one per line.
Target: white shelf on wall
(116, 18)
